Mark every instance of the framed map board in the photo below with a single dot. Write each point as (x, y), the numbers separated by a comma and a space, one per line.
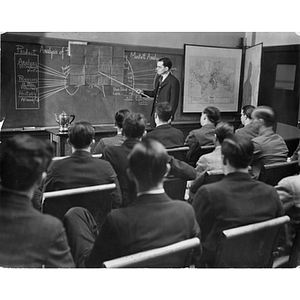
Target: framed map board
(211, 78)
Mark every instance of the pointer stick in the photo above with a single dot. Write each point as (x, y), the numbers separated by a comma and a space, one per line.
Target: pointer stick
(122, 84)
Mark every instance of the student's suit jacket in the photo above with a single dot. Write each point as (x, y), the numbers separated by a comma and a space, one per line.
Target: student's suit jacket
(234, 201)
(29, 239)
(167, 135)
(150, 222)
(79, 170)
(269, 148)
(248, 130)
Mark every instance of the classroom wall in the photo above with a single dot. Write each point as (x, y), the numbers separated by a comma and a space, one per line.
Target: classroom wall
(153, 39)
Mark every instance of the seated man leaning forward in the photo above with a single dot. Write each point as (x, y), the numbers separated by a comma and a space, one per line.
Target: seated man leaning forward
(234, 201)
(28, 239)
(153, 221)
(269, 147)
(81, 168)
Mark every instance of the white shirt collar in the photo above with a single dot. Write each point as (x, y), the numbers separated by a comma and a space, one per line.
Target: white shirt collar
(152, 192)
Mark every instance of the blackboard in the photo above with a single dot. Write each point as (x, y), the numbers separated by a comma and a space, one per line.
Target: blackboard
(43, 77)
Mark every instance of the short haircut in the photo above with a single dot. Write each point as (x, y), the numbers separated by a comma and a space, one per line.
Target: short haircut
(247, 110)
(23, 161)
(134, 126)
(238, 150)
(81, 134)
(147, 162)
(120, 116)
(212, 113)
(223, 129)
(266, 113)
(166, 62)
(164, 111)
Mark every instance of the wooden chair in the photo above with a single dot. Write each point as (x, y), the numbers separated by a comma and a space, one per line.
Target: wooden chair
(179, 152)
(55, 158)
(250, 246)
(272, 174)
(96, 199)
(175, 187)
(208, 177)
(196, 151)
(178, 255)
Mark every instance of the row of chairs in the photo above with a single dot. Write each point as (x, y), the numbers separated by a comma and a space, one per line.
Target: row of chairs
(249, 246)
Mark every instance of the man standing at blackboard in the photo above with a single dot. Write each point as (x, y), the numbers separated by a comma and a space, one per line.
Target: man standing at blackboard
(166, 88)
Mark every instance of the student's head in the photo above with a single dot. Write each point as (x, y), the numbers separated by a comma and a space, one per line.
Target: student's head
(223, 129)
(163, 111)
(81, 135)
(148, 163)
(263, 116)
(23, 162)
(246, 113)
(210, 114)
(134, 126)
(164, 65)
(120, 116)
(237, 150)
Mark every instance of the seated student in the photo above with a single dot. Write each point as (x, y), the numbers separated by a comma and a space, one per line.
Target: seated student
(152, 221)
(116, 140)
(28, 238)
(203, 136)
(134, 128)
(269, 147)
(246, 119)
(234, 201)
(288, 190)
(211, 161)
(81, 168)
(164, 133)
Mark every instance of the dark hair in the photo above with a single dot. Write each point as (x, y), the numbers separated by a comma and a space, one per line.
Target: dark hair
(23, 161)
(238, 150)
(223, 129)
(120, 116)
(81, 134)
(212, 113)
(266, 113)
(134, 126)
(147, 161)
(164, 111)
(166, 62)
(247, 110)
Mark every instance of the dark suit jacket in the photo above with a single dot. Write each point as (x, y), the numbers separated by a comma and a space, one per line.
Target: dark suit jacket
(79, 170)
(248, 130)
(234, 201)
(152, 221)
(168, 91)
(117, 156)
(29, 239)
(269, 148)
(166, 134)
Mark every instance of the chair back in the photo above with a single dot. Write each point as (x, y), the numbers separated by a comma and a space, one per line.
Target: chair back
(175, 187)
(55, 158)
(208, 177)
(196, 151)
(96, 199)
(177, 255)
(178, 152)
(272, 174)
(250, 246)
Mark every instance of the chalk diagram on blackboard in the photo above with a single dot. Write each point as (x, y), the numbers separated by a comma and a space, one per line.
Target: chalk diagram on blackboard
(112, 70)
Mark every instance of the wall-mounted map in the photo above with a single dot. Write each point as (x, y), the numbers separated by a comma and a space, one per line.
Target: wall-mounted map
(212, 78)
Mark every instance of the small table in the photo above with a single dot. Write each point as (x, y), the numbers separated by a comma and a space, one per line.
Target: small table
(59, 139)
